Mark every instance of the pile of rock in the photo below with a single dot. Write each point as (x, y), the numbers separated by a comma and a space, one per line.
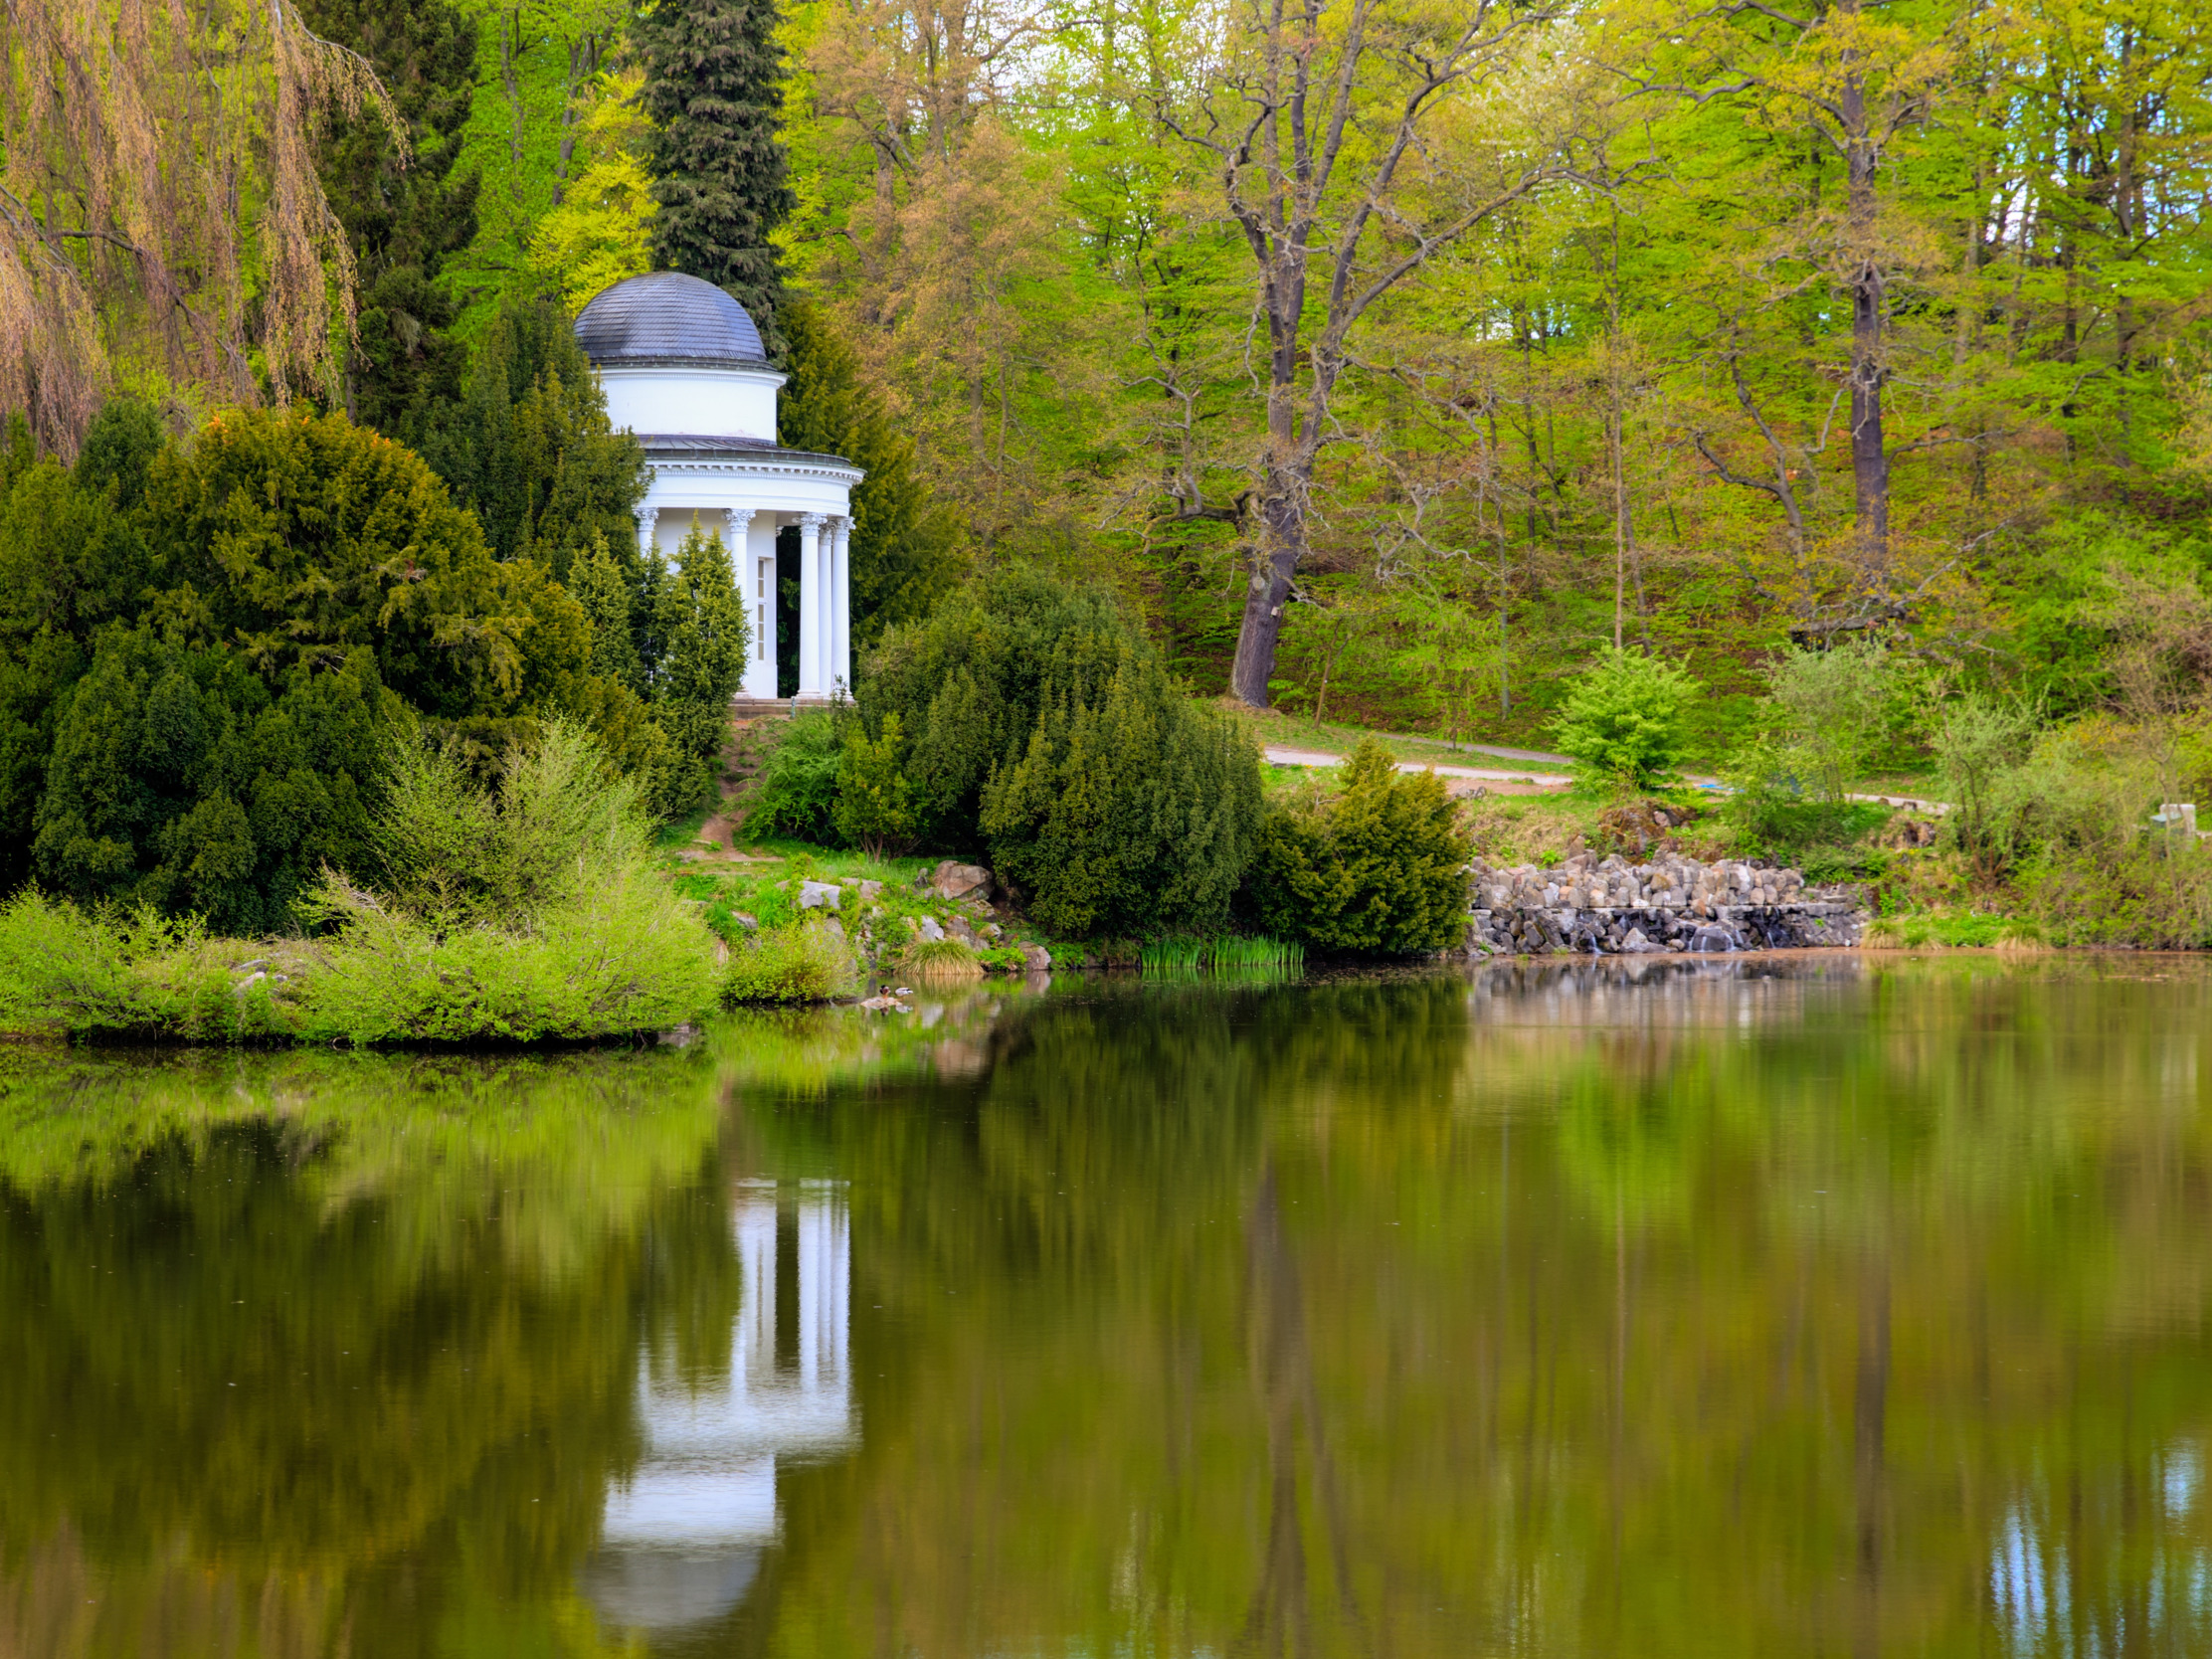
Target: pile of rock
(1609, 906)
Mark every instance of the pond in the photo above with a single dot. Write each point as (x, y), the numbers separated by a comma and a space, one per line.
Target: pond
(1754, 1307)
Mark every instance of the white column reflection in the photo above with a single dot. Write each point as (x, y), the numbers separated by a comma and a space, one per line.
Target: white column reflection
(681, 1540)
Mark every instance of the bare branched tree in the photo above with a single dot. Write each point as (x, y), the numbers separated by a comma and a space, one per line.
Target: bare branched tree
(1317, 115)
(159, 208)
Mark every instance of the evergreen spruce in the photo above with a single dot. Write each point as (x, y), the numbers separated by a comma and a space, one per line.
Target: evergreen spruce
(714, 93)
(403, 222)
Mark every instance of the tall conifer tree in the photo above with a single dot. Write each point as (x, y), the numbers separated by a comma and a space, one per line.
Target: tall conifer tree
(714, 90)
(403, 216)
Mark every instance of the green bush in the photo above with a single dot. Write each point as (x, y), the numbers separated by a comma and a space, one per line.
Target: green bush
(528, 911)
(969, 685)
(1133, 810)
(1624, 717)
(1379, 868)
(796, 795)
(139, 974)
(1982, 745)
(627, 955)
(875, 805)
(803, 964)
(1828, 713)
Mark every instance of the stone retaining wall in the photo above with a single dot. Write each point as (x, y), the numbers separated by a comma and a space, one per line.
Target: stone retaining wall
(1605, 907)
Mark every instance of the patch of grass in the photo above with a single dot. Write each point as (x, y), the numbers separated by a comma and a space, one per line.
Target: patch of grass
(1255, 954)
(681, 832)
(1883, 934)
(1920, 930)
(940, 959)
(1171, 955)
(1226, 953)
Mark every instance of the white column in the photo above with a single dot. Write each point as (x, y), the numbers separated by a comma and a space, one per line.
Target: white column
(840, 592)
(648, 517)
(737, 523)
(812, 658)
(757, 580)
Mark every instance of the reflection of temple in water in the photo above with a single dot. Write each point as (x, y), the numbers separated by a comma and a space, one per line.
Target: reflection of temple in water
(681, 1541)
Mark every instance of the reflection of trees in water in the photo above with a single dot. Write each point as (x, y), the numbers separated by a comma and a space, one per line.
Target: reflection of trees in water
(1741, 1311)
(1747, 1317)
(342, 1359)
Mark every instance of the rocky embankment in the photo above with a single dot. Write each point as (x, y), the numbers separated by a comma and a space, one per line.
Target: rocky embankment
(1596, 906)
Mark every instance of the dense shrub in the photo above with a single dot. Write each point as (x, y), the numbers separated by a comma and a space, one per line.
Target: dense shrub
(302, 537)
(1624, 717)
(136, 973)
(1382, 867)
(1030, 720)
(969, 685)
(796, 795)
(528, 910)
(801, 964)
(1131, 810)
(1982, 748)
(200, 643)
(876, 804)
(1827, 716)
(181, 779)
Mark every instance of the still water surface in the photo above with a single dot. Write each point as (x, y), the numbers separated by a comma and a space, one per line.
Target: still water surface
(1736, 1309)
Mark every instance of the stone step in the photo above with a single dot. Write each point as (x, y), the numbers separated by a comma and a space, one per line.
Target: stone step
(758, 708)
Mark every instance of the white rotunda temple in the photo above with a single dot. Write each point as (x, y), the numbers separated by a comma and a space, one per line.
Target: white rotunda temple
(683, 368)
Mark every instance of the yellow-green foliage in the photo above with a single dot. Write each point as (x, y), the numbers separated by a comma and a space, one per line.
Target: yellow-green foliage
(803, 964)
(141, 974)
(533, 910)
(941, 959)
(1381, 867)
(529, 912)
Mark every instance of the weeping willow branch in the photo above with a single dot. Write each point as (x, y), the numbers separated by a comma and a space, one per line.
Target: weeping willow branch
(161, 216)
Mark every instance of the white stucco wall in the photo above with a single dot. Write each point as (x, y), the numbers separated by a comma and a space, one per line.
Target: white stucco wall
(716, 403)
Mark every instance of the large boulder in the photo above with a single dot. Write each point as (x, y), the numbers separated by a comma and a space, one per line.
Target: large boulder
(952, 880)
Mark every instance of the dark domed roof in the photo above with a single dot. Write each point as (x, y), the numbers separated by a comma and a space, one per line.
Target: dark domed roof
(665, 317)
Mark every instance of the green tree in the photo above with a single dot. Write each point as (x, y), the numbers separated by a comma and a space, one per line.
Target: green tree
(72, 559)
(1133, 811)
(694, 664)
(1623, 718)
(876, 806)
(528, 448)
(605, 591)
(403, 215)
(1382, 867)
(905, 544)
(969, 683)
(292, 539)
(714, 89)
(179, 778)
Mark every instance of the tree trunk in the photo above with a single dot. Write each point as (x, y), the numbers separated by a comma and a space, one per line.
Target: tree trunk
(1282, 544)
(1870, 460)
(1282, 507)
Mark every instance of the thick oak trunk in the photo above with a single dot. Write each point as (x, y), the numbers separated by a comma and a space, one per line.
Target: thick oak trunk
(1267, 593)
